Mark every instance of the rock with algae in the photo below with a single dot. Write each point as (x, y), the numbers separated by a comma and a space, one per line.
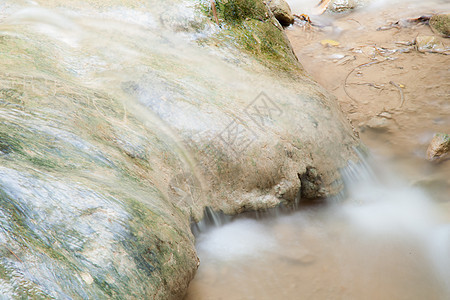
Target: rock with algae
(441, 24)
(120, 122)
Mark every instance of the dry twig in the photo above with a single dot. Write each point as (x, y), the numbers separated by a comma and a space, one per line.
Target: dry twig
(402, 97)
(322, 6)
(304, 18)
(359, 66)
(307, 20)
(214, 10)
(380, 87)
(406, 23)
(13, 254)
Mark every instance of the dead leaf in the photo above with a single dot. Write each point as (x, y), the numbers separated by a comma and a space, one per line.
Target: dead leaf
(328, 43)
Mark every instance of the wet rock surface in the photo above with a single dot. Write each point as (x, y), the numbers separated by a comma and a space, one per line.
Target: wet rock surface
(112, 141)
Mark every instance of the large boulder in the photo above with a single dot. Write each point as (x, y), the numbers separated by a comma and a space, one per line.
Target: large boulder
(119, 124)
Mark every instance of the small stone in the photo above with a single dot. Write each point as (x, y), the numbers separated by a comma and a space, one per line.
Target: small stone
(429, 44)
(281, 11)
(311, 183)
(338, 6)
(378, 123)
(439, 147)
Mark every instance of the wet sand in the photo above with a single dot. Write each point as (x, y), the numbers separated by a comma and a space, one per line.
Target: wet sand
(370, 95)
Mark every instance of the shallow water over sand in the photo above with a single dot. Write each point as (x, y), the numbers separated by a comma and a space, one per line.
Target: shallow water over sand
(390, 239)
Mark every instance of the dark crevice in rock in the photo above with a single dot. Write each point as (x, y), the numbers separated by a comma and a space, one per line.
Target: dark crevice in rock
(311, 184)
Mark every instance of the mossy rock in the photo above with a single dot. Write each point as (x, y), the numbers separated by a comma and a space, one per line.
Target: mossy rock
(236, 11)
(441, 24)
(250, 26)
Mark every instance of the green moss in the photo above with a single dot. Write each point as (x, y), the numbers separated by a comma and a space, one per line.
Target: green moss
(145, 249)
(43, 163)
(19, 229)
(152, 242)
(9, 144)
(106, 288)
(236, 11)
(248, 25)
(27, 240)
(441, 23)
(443, 136)
(11, 97)
(4, 274)
(267, 43)
(26, 290)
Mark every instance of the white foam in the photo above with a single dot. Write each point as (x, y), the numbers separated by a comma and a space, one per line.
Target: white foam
(236, 240)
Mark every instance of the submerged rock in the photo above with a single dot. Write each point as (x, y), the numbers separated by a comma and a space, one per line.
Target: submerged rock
(441, 24)
(381, 122)
(281, 11)
(439, 147)
(338, 6)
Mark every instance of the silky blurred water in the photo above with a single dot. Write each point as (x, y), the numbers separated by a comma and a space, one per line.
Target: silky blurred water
(388, 240)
